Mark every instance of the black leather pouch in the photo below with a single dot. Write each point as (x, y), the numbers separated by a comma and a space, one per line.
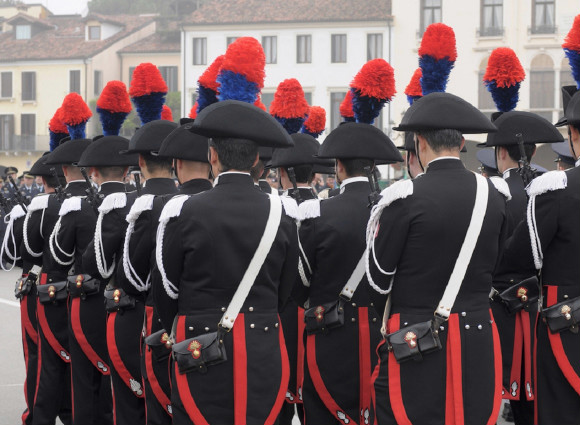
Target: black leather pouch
(23, 287)
(52, 292)
(327, 316)
(160, 344)
(414, 341)
(116, 299)
(563, 316)
(196, 354)
(521, 296)
(83, 285)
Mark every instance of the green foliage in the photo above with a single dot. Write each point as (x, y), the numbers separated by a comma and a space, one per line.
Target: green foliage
(173, 100)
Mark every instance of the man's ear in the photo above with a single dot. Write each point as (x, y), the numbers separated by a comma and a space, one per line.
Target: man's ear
(256, 160)
(213, 156)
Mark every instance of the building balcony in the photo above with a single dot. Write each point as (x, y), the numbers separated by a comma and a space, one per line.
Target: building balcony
(542, 30)
(489, 32)
(17, 143)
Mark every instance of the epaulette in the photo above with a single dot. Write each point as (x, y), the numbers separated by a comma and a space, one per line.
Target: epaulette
(398, 190)
(323, 194)
(142, 203)
(309, 209)
(173, 208)
(112, 202)
(290, 207)
(70, 204)
(16, 212)
(501, 186)
(39, 202)
(552, 180)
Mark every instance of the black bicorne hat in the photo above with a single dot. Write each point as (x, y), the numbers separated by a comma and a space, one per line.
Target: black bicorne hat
(69, 152)
(532, 127)
(149, 138)
(181, 143)
(40, 168)
(104, 152)
(567, 93)
(302, 153)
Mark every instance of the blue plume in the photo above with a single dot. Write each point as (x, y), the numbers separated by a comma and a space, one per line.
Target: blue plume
(111, 121)
(366, 108)
(435, 74)
(411, 99)
(235, 86)
(349, 119)
(574, 59)
(505, 98)
(77, 131)
(149, 106)
(292, 125)
(55, 139)
(205, 97)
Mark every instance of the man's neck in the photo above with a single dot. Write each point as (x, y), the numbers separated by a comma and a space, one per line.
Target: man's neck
(157, 176)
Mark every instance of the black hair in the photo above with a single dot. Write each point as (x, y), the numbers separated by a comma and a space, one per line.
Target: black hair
(514, 151)
(356, 167)
(303, 173)
(157, 163)
(53, 182)
(444, 139)
(235, 154)
(111, 172)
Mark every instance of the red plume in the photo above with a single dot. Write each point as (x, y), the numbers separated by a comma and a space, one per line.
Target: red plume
(74, 110)
(146, 80)
(209, 76)
(114, 98)
(414, 88)
(56, 125)
(316, 120)
(375, 79)
(245, 56)
(166, 113)
(504, 68)
(572, 40)
(346, 106)
(439, 42)
(260, 104)
(289, 100)
(193, 111)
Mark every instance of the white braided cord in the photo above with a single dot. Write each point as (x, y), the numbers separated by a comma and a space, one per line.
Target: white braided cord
(105, 271)
(25, 235)
(53, 240)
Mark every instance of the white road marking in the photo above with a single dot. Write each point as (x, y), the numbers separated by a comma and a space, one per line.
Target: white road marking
(8, 302)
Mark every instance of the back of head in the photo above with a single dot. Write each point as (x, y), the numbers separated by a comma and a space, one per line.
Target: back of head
(235, 154)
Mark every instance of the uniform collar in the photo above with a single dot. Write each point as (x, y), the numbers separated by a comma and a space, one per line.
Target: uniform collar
(159, 186)
(111, 187)
(233, 176)
(444, 163)
(350, 180)
(506, 173)
(191, 187)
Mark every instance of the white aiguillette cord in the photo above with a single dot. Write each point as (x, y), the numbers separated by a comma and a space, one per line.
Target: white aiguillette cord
(274, 218)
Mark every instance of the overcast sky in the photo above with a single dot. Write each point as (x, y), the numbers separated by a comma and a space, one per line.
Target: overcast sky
(63, 7)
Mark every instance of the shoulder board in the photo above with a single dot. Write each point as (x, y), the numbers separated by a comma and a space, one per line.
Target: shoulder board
(173, 208)
(142, 203)
(112, 202)
(398, 190)
(552, 180)
(39, 202)
(70, 204)
(290, 207)
(17, 212)
(309, 209)
(501, 186)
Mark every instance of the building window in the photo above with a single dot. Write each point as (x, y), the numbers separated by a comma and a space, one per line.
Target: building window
(94, 32)
(430, 13)
(23, 32)
(491, 18)
(338, 45)
(304, 49)
(543, 17)
(542, 86)
(28, 86)
(269, 44)
(98, 82)
(485, 102)
(169, 74)
(230, 40)
(131, 70)
(27, 132)
(335, 100)
(374, 46)
(566, 78)
(308, 97)
(6, 84)
(6, 132)
(267, 99)
(200, 51)
(74, 81)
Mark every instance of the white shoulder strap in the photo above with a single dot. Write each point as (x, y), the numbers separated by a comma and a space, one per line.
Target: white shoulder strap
(466, 252)
(352, 284)
(274, 218)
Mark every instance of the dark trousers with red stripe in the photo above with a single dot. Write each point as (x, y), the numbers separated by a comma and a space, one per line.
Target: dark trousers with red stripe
(30, 347)
(53, 394)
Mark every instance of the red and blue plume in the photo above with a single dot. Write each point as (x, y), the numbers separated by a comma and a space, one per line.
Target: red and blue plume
(289, 106)
(75, 114)
(503, 77)
(193, 111)
(437, 56)
(207, 85)
(346, 111)
(242, 74)
(260, 104)
(371, 88)
(414, 90)
(571, 48)
(316, 121)
(166, 113)
(113, 107)
(148, 92)
(57, 130)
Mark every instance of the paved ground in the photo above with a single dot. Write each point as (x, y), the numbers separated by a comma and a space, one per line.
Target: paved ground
(11, 357)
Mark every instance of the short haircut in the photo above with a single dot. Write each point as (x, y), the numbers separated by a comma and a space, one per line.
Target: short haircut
(440, 140)
(53, 182)
(112, 172)
(155, 164)
(356, 167)
(257, 171)
(514, 151)
(235, 154)
(303, 173)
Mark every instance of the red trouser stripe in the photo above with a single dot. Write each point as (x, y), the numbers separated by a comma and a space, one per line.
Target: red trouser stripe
(558, 347)
(115, 356)
(454, 402)
(158, 392)
(516, 371)
(25, 348)
(364, 361)
(395, 391)
(148, 320)
(182, 384)
(39, 369)
(527, 354)
(536, 378)
(47, 332)
(273, 416)
(82, 339)
(300, 355)
(25, 319)
(497, 364)
(240, 372)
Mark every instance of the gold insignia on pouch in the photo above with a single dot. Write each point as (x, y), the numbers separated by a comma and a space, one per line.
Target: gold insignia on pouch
(20, 284)
(565, 310)
(116, 295)
(166, 340)
(523, 294)
(80, 279)
(411, 339)
(319, 313)
(195, 348)
(51, 291)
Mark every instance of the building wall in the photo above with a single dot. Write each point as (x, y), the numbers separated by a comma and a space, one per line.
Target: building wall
(36, 11)
(131, 60)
